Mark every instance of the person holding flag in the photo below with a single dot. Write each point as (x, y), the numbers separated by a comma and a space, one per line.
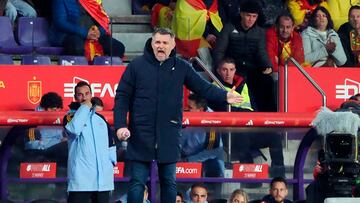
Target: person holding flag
(82, 28)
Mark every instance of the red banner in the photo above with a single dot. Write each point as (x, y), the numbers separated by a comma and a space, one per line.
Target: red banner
(21, 87)
(252, 171)
(119, 170)
(188, 170)
(38, 170)
(337, 83)
(219, 119)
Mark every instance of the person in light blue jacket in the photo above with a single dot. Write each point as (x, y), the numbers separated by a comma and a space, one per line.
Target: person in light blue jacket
(92, 152)
(322, 45)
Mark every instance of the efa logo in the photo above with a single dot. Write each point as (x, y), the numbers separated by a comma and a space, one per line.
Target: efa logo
(188, 170)
(98, 89)
(348, 89)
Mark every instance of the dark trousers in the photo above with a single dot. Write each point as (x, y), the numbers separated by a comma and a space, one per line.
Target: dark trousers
(74, 45)
(84, 197)
(139, 174)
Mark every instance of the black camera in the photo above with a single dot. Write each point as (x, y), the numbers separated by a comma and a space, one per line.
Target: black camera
(341, 162)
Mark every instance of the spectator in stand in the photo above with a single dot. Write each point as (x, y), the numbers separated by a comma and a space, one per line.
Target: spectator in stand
(339, 10)
(196, 24)
(198, 193)
(283, 42)
(92, 154)
(15, 8)
(229, 10)
(322, 45)
(278, 191)
(301, 11)
(197, 145)
(349, 34)
(77, 23)
(151, 91)
(162, 13)
(239, 196)
(244, 143)
(48, 143)
(179, 198)
(226, 71)
(245, 42)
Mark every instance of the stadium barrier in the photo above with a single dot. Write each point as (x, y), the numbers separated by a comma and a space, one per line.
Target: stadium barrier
(214, 119)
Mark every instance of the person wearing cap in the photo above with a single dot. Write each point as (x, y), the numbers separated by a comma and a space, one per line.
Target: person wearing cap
(244, 41)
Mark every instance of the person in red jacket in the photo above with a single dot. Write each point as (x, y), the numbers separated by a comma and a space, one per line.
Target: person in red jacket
(283, 42)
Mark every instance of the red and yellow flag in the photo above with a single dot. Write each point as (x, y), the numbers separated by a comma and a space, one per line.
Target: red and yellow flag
(189, 24)
(96, 10)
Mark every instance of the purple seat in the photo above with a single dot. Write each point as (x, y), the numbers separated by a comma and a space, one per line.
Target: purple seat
(106, 60)
(6, 59)
(33, 32)
(72, 60)
(35, 60)
(8, 44)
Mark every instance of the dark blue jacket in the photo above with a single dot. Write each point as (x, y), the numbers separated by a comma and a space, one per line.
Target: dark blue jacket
(152, 93)
(66, 17)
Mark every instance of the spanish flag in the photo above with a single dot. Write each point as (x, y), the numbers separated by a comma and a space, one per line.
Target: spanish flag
(160, 16)
(189, 24)
(95, 9)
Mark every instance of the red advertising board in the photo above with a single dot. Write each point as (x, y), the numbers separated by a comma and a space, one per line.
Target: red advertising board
(38, 170)
(252, 171)
(188, 170)
(119, 170)
(21, 87)
(337, 83)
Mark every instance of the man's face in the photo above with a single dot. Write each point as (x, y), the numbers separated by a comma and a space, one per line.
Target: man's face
(279, 192)
(162, 46)
(198, 195)
(248, 19)
(286, 27)
(193, 107)
(227, 72)
(354, 18)
(82, 94)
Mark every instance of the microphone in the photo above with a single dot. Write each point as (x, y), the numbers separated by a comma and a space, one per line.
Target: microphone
(327, 121)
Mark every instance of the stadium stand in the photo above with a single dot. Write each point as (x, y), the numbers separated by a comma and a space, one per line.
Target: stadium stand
(8, 45)
(107, 60)
(33, 32)
(72, 60)
(35, 60)
(6, 59)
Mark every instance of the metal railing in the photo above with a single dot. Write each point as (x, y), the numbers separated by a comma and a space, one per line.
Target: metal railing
(308, 77)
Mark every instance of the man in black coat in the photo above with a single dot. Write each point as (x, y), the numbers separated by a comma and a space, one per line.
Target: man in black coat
(244, 41)
(151, 90)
